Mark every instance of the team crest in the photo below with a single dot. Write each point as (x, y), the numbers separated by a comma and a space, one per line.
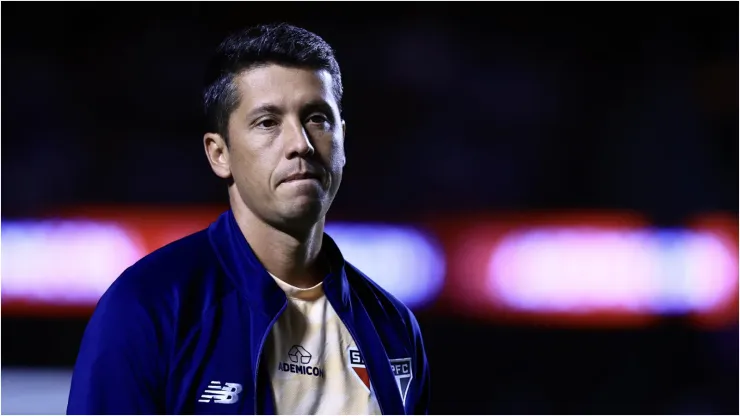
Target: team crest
(357, 363)
(401, 370)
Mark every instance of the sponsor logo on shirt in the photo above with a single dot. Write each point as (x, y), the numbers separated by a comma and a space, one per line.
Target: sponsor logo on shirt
(300, 359)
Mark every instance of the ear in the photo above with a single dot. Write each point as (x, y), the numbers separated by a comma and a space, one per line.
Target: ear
(217, 153)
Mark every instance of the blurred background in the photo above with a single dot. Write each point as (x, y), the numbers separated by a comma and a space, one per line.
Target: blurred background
(552, 188)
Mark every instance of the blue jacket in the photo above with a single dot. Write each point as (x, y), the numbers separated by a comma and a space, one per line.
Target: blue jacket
(199, 310)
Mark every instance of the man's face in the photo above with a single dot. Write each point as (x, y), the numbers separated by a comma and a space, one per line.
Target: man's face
(285, 148)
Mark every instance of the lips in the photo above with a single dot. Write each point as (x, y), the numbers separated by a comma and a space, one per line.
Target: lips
(301, 175)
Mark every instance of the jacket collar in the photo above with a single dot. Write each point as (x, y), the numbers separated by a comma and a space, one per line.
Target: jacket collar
(252, 279)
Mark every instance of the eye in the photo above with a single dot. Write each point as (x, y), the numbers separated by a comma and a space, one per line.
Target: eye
(318, 119)
(267, 123)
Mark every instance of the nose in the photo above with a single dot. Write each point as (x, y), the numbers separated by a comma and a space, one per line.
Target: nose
(297, 141)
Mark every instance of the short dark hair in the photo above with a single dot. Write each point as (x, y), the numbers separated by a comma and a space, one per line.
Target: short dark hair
(281, 44)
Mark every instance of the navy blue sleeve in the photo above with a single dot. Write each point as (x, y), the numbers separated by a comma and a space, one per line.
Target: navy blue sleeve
(422, 371)
(119, 368)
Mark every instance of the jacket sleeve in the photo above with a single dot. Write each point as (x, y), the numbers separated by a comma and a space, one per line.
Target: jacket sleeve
(422, 372)
(119, 369)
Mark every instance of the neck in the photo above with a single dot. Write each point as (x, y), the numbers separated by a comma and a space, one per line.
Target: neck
(293, 259)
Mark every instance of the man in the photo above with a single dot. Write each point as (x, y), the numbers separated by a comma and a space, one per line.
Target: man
(258, 313)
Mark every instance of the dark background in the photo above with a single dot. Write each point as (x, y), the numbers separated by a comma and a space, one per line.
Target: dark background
(450, 108)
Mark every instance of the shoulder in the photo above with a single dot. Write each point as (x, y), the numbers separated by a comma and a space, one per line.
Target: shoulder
(181, 275)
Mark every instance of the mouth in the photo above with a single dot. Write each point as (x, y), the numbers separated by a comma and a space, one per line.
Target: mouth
(301, 176)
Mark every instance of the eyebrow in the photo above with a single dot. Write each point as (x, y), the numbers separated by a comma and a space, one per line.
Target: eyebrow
(318, 104)
(265, 108)
(313, 105)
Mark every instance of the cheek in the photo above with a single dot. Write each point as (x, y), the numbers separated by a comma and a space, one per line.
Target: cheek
(336, 153)
(248, 166)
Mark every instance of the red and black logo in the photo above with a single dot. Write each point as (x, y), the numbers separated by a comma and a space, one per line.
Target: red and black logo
(401, 370)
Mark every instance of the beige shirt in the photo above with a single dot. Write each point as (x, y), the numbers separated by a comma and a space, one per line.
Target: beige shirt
(308, 353)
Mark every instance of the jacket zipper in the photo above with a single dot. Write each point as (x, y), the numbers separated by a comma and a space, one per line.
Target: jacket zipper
(351, 331)
(259, 352)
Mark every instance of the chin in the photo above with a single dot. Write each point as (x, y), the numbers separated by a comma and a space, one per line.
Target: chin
(303, 211)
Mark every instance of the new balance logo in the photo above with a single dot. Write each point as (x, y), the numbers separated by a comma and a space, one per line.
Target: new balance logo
(226, 394)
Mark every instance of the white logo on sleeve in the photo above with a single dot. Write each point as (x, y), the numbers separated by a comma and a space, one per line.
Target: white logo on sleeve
(226, 394)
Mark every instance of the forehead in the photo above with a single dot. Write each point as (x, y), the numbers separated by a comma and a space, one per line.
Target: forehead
(283, 86)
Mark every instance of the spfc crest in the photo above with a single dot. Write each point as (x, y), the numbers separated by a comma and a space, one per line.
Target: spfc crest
(401, 368)
(358, 365)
